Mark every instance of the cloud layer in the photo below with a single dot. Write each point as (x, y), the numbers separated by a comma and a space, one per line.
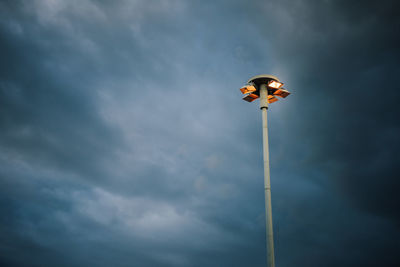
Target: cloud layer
(125, 142)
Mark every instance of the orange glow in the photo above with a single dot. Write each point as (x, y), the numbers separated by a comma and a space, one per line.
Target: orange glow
(248, 89)
(272, 99)
(275, 84)
(282, 93)
(250, 97)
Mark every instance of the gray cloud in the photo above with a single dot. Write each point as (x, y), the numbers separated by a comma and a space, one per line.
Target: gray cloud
(124, 140)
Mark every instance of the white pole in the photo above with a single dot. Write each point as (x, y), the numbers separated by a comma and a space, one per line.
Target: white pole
(267, 180)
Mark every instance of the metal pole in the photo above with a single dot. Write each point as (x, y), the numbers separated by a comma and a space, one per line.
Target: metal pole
(267, 181)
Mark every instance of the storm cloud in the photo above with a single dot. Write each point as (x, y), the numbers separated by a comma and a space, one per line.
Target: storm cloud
(124, 140)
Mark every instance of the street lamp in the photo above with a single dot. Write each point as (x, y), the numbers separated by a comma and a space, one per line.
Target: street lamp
(266, 88)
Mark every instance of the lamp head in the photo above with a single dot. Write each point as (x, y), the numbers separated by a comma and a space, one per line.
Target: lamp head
(274, 87)
(249, 88)
(250, 97)
(275, 84)
(282, 93)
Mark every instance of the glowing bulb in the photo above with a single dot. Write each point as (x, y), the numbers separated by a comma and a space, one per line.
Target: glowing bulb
(248, 89)
(275, 84)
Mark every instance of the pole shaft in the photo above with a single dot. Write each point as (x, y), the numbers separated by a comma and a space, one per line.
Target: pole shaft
(267, 180)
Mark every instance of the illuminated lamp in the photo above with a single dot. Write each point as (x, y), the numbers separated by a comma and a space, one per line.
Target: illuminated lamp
(275, 84)
(282, 93)
(267, 88)
(248, 89)
(272, 99)
(250, 97)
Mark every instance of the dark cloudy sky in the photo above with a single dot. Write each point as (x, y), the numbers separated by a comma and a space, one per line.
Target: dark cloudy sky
(124, 140)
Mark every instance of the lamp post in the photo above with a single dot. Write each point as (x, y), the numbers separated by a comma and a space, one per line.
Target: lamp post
(265, 87)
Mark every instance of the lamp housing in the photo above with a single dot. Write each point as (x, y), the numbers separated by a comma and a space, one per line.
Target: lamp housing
(250, 97)
(271, 99)
(282, 93)
(274, 88)
(248, 89)
(275, 84)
